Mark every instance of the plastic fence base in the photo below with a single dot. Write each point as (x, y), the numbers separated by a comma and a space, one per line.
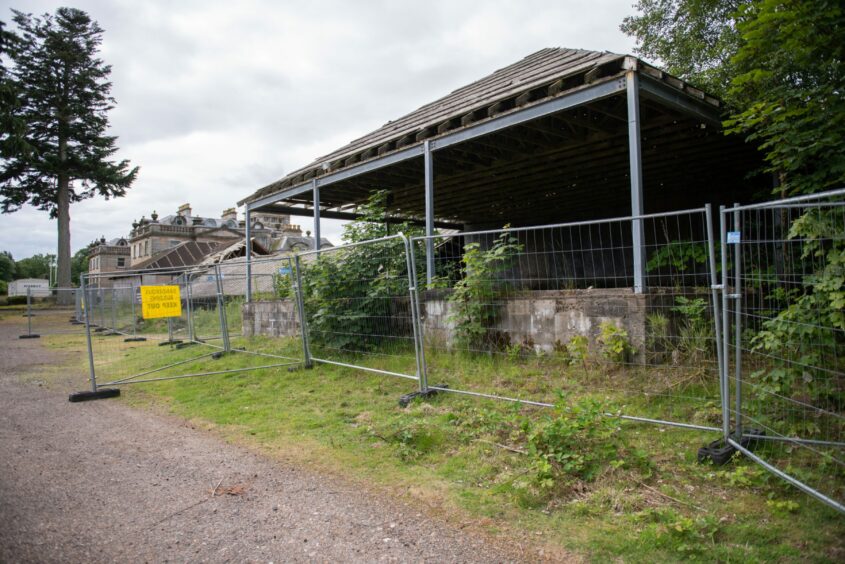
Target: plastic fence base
(405, 400)
(134, 339)
(102, 393)
(30, 336)
(721, 453)
(173, 342)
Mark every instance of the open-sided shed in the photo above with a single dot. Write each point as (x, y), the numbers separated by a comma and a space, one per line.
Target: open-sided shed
(561, 135)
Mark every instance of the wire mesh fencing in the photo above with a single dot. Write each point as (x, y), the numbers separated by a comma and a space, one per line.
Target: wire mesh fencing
(530, 314)
(131, 343)
(52, 312)
(359, 307)
(785, 335)
(269, 325)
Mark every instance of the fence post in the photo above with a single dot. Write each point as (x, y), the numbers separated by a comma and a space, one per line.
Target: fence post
(415, 312)
(189, 306)
(29, 333)
(134, 314)
(221, 308)
(715, 287)
(113, 309)
(101, 298)
(738, 323)
(91, 374)
(724, 361)
(300, 305)
(29, 312)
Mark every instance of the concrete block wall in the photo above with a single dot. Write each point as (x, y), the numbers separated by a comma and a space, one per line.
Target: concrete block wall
(545, 319)
(273, 318)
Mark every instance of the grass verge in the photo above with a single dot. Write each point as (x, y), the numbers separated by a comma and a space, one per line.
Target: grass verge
(568, 479)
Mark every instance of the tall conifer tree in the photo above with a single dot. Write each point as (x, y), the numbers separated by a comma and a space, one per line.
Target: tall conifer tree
(63, 154)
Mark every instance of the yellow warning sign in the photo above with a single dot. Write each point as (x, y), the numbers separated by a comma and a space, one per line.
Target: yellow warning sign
(160, 301)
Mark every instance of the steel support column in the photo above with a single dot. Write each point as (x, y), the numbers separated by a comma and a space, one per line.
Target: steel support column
(248, 251)
(316, 190)
(636, 171)
(428, 160)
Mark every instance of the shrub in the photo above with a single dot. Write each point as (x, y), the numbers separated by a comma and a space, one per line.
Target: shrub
(695, 336)
(613, 341)
(473, 301)
(578, 442)
(578, 350)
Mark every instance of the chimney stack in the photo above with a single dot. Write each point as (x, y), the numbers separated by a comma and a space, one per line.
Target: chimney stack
(230, 213)
(184, 210)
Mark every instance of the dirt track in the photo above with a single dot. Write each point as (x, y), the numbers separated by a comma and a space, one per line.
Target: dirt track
(100, 482)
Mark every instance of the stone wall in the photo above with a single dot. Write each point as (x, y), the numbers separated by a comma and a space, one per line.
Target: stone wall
(545, 319)
(276, 318)
(540, 319)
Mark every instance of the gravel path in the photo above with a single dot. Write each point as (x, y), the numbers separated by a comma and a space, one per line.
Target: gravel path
(100, 482)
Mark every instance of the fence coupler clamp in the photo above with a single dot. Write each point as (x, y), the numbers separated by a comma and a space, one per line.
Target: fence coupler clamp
(406, 400)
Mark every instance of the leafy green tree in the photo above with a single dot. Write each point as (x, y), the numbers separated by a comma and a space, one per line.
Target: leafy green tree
(695, 40)
(779, 65)
(79, 264)
(61, 92)
(7, 266)
(36, 266)
(789, 90)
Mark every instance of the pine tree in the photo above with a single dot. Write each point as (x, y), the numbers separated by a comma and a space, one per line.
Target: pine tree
(63, 97)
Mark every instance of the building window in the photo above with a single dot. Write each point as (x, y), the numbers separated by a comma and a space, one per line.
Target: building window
(121, 262)
(173, 242)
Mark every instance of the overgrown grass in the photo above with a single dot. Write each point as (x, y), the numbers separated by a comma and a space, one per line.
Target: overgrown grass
(637, 492)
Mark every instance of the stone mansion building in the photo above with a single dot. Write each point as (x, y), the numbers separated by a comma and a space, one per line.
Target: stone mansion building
(188, 239)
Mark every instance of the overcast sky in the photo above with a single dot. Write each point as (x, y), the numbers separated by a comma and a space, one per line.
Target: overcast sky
(217, 99)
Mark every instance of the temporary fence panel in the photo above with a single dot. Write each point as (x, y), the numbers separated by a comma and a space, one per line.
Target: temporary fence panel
(268, 326)
(359, 306)
(785, 335)
(52, 312)
(161, 325)
(531, 313)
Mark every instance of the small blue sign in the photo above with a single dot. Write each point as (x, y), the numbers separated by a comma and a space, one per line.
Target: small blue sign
(284, 271)
(733, 237)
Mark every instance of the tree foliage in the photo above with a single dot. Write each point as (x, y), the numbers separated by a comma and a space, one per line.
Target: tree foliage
(7, 266)
(779, 65)
(36, 266)
(789, 90)
(59, 89)
(695, 40)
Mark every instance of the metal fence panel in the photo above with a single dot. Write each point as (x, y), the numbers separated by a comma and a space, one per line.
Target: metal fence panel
(194, 343)
(269, 325)
(358, 305)
(785, 296)
(53, 312)
(527, 314)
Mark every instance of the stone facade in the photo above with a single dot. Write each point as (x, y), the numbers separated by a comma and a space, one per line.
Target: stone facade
(107, 256)
(152, 236)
